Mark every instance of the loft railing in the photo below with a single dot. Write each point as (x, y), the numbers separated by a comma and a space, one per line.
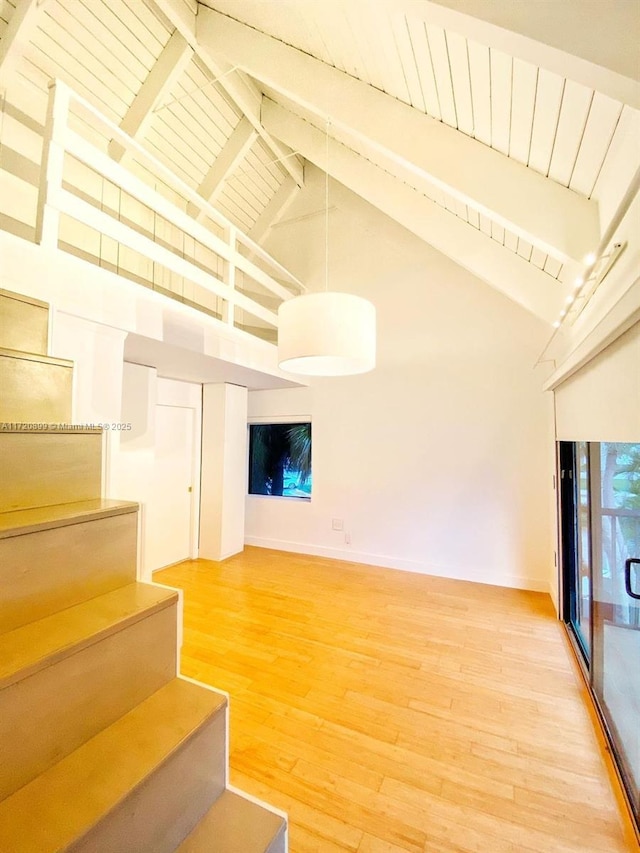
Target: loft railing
(218, 261)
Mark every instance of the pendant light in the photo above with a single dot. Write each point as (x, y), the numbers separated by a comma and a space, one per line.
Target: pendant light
(327, 333)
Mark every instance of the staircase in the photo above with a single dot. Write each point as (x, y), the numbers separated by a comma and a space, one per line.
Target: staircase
(104, 747)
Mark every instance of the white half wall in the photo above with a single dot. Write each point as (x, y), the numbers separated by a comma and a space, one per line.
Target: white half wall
(441, 460)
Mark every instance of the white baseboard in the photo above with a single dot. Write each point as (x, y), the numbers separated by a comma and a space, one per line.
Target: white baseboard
(452, 572)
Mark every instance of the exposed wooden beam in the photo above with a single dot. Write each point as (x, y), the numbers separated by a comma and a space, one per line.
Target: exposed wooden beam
(411, 145)
(237, 86)
(275, 210)
(234, 151)
(488, 260)
(16, 37)
(169, 66)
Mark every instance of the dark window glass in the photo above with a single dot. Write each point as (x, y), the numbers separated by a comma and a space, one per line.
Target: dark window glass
(280, 460)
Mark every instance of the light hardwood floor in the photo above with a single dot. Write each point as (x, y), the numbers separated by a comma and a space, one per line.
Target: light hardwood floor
(391, 712)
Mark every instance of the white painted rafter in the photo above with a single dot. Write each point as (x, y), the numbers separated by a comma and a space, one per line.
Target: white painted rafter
(237, 86)
(507, 272)
(168, 68)
(16, 37)
(412, 146)
(275, 210)
(233, 153)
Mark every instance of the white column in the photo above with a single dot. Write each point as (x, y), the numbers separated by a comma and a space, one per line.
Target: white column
(224, 471)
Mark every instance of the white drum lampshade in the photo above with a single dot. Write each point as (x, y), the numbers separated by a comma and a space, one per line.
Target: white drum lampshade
(327, 334)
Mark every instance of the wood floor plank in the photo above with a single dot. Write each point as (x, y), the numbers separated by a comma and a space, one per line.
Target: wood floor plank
(389, 712)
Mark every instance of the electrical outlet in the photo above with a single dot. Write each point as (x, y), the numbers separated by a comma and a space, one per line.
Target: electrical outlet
(347, 539)
(337, 524)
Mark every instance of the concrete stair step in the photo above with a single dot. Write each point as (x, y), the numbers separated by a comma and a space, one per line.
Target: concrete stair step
(55, 557)
(34, 387)
(69, 675)
(45, 467)
(141, 784)
(235, 824)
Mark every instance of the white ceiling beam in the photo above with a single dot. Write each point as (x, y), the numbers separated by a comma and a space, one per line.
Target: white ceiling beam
(241, 91)
(592, 42)
(479, 254)
(168, 68)
(233, 153)
(411, 145)
(275, 210)
(17, 36)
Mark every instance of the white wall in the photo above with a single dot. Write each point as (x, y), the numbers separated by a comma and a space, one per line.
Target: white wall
(224, 452)
(137, 476)
(441, 460)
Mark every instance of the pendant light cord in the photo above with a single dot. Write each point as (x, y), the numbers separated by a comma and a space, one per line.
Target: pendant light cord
(326, 208)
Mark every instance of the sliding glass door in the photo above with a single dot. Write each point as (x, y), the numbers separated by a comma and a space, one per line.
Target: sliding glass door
(600, 499)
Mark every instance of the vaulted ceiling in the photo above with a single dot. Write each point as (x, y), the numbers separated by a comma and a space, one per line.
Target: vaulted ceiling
(505, 135)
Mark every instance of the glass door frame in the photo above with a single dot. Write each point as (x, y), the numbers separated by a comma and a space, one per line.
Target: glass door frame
(568, 509)
(568, 526)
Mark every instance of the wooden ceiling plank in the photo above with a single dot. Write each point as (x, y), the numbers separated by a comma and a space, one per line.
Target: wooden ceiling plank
(442, 72)
(485, 225)
(173, 159)
(602, 120)
(510, 241)
(142, 20)
(238, 88)
(226, 162)
(169, 66)
(181, 120)
(76, 54)
(89, 29)
(255, 171)
(411, 145)
(229, 206)
(20, 30)
(383, 56)
(207, 106)
(126, 28)
(40, 67)
(400, 34)
(473, 217)
(356, 27)
(505, 271)
(480, 73)
(501, 76)
(244, 188)
(461, 79)
(497, 233)
(523, 101)
(552, 266)
(538, 258)
(524, 249)
(576, 102)
(176, 138)
(545, 120)
(424, 65)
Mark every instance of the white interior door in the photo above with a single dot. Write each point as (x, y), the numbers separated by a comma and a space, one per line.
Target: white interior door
(168, 521)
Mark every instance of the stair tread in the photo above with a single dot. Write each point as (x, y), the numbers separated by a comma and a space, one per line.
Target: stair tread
(68, 799)
(21, 521)
(234, 824)
(29, 648)
(34, 356)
